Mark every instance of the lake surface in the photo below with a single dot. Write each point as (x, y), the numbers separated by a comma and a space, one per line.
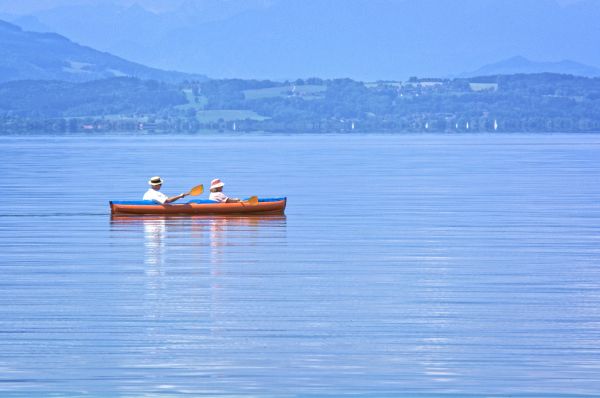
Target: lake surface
(414, 265)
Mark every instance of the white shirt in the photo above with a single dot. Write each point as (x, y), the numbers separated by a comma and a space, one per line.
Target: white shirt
(155, 195)
(218, 197)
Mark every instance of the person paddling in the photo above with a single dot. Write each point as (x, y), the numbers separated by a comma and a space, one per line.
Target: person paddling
(154, 192)
(216, 193)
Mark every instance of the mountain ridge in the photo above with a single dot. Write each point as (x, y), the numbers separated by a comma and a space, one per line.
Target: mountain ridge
(51, 56)
(361, 39)
(519, 64)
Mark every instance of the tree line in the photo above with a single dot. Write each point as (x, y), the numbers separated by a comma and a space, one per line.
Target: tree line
(505, 103)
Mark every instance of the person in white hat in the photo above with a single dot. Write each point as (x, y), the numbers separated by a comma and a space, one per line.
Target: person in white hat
(154, 192)
(216, 193)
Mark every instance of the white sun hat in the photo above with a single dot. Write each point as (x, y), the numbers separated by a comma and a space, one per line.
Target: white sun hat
(216, 183)
(156, 180)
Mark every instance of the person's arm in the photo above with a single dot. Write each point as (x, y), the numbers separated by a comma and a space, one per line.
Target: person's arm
(176, 197)
(232, 200)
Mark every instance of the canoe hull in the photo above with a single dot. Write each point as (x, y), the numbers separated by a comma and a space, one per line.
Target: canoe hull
(268, 207)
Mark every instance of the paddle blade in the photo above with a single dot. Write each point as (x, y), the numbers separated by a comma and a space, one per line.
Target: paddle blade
(252, 200)
(197, 190)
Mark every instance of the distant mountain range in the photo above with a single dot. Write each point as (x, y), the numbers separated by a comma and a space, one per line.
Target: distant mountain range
(361, 39)
(49, 56)
(520, 64)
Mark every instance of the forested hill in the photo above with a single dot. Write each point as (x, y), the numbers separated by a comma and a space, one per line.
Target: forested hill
(35, 99)
(505, 103)
(29, 55)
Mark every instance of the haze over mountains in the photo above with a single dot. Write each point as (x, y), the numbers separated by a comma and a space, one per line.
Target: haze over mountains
(30, 55)
(361, 39)
(520, 64)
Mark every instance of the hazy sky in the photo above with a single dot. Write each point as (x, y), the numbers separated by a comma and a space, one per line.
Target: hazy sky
(363, 39)
(28, 6)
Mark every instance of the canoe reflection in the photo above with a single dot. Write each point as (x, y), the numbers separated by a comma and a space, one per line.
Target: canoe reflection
(187, 261)
(217, 233)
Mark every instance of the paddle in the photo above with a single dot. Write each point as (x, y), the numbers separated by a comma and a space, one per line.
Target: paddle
(197, 190)
(252, 200)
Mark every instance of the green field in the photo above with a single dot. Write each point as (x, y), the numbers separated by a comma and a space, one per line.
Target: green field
(484, 86)
(211, 116)
(305, 92)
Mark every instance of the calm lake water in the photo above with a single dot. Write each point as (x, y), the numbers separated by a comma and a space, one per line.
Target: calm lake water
(414, 265)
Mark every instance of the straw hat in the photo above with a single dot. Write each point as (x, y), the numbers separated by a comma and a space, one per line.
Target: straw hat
(216, 183)
(156, 180)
